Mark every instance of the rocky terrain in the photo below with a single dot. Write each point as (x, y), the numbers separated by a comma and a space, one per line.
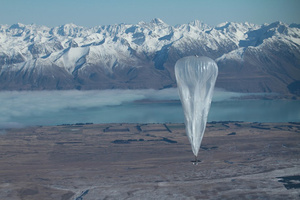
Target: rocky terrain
(238, 160)
(251, 58)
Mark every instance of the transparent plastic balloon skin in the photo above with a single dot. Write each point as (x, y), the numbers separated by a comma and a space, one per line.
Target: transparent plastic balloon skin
(196, 77)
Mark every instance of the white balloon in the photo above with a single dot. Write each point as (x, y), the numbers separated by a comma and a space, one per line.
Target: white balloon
(196, 77)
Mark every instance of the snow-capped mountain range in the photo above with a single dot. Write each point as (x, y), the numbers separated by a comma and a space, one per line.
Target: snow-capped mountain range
(251, 58)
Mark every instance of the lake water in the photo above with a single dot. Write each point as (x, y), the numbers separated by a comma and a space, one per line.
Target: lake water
(27, 108)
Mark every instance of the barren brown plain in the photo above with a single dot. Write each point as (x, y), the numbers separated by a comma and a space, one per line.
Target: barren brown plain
(239, 160)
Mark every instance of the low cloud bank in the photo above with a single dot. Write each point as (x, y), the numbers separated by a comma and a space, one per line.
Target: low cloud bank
(22, 108)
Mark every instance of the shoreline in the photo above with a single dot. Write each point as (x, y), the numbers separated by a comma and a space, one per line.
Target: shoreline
(83, 124)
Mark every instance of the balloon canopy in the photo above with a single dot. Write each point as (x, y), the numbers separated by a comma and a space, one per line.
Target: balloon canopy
(196, 77)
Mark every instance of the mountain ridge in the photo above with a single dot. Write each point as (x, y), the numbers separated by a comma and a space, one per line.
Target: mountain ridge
(251, 58)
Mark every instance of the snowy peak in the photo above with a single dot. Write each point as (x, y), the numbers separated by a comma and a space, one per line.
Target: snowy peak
(276, 30)
(234, 27)
(17, 26)
(157, 22)
(145, 38)
(67, 30)
(199, 24)
(126, 55)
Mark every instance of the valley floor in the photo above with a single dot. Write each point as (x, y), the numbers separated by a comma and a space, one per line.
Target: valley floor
(239, 160)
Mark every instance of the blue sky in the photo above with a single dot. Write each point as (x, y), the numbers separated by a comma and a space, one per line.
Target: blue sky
(91, 13)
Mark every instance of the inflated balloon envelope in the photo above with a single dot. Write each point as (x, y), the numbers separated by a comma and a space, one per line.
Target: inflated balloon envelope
(196, 77)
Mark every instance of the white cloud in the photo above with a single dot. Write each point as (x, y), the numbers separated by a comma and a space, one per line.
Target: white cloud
(23, 108)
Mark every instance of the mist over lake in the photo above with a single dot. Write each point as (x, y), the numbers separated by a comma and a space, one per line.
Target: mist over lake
(31, 108)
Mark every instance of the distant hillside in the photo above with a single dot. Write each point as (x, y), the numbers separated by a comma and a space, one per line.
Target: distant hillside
(251, 58)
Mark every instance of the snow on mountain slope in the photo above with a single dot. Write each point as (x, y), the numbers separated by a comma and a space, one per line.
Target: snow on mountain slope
(143, 55)
(233, 55)
(70, 58)
(31, 41)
